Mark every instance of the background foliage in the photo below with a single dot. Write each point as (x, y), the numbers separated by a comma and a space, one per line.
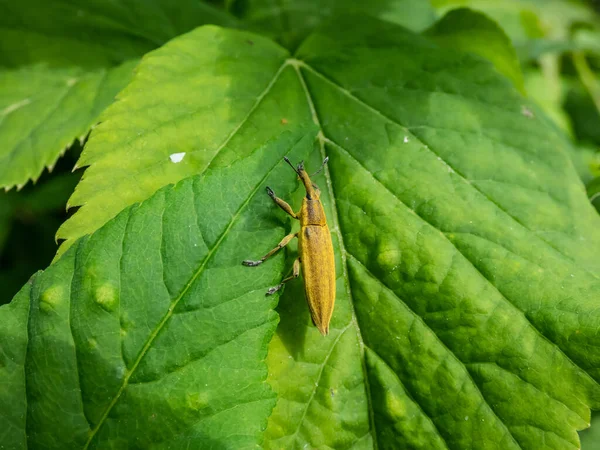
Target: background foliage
(70, 59)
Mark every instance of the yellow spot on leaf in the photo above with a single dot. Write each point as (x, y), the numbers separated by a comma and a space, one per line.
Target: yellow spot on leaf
(51, 298)
(395, 406)
(106, 297)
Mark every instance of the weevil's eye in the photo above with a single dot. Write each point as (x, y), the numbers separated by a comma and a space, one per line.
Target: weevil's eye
(301, 166)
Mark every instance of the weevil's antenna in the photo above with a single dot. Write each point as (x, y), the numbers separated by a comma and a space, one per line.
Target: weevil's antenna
(285, 158)
(321, 168)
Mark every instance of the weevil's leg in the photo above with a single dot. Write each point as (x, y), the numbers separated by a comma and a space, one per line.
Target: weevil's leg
(281, 203)
(295, 274)
(285, 241)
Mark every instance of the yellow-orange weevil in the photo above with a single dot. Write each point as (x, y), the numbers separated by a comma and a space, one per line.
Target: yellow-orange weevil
(315, 252)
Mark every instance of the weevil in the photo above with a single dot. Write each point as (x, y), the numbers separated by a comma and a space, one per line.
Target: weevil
(315, 251)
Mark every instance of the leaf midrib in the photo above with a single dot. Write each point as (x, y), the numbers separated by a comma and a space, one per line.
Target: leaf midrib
(354, 321)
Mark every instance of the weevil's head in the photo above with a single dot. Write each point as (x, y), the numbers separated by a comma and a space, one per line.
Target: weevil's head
(312, 190)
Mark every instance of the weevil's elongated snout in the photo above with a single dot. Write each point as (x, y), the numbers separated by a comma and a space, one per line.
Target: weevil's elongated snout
(312, 191)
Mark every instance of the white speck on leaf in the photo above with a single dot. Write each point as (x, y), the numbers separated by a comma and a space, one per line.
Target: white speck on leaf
(10, 108)
(405, 139)
(526, 112)
(71, 81)
(177, 157)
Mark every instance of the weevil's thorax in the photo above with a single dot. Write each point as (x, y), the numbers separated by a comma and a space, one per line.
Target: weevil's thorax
(312, 213)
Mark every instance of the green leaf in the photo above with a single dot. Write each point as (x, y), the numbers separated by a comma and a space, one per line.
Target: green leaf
(43, 109)
(534, 26)
(466, 247)
(150, 332)
(290, 21)
(13, 352)
(96, 33)
(58, 69)
(470, 31)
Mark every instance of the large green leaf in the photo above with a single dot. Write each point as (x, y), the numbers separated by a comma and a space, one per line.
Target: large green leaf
(43, 109)
(466, 248)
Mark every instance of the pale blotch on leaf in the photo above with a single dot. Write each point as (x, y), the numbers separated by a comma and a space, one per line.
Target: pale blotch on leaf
(176, 157)
(51, 298)
(389, 259)
(527, 112)
(197, 401)
(106, 297)
(395, 406)
(92, 343)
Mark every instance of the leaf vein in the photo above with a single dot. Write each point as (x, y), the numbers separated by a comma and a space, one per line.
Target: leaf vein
(327, 174)
(319, 375)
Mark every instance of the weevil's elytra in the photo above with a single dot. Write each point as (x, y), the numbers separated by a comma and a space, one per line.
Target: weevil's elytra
(315, 250)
